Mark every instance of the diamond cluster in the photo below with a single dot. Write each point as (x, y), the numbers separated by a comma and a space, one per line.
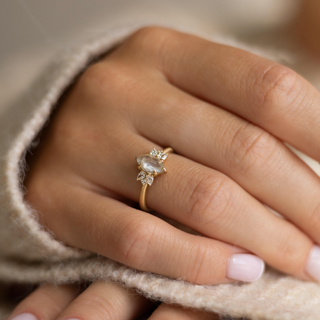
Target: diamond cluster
(151, 165)
(159, 154)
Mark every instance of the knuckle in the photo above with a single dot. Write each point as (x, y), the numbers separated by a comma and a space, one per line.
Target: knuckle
(290, 251)
(146, 36)
(275, 89)
(152, 40)
(198, 266)
(210, 197)
(134, 243)
(314, 221)
(250, 148)
(203, 257)
(49, 297)
(103, 308)
(105, 81)
(101, 78)
(92, 78)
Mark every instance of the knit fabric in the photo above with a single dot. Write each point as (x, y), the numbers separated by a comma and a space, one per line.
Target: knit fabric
(274, 296)
(30, 254)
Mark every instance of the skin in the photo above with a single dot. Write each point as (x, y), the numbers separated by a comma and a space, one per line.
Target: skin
(229, 159)
(215, 184)
(101, 301)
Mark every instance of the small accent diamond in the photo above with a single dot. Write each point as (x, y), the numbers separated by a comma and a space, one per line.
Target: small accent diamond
(164, 156)
(160, 153)
(141, 175)
(149, 180)
(154, 152)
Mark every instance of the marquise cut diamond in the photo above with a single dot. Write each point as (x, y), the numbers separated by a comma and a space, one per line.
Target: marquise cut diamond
(150, 164)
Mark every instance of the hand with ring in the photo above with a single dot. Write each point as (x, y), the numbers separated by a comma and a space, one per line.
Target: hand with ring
(225, 113)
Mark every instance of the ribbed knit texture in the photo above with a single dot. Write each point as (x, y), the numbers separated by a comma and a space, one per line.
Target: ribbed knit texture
(28, 253)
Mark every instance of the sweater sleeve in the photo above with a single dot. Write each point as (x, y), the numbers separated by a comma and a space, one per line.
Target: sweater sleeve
(30, 254)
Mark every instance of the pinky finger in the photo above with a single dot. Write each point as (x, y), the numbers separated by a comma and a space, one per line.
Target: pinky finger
(45, 303)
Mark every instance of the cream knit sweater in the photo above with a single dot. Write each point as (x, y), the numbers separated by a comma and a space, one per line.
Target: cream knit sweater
(30, 254)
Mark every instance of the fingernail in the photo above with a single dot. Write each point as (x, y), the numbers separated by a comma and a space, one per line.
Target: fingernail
(25, 316)
(245, 267)
(313, 263)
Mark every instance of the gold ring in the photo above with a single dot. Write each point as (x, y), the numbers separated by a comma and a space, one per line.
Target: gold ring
(150, 165)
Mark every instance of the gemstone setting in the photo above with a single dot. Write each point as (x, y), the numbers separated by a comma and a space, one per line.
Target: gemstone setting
(151, 165)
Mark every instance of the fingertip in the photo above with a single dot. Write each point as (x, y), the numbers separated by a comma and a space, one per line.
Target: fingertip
(245, 267)
(313, 263)
(24, 316)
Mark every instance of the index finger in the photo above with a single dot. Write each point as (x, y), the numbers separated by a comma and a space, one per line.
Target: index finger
(264, 92)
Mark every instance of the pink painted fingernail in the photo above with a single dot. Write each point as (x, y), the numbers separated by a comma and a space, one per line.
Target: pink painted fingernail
(25, 316)
(245, 267)
(313, 263)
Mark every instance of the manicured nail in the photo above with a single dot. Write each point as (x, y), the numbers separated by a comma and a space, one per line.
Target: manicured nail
(313, 263)
(245, 267)
(25, 316)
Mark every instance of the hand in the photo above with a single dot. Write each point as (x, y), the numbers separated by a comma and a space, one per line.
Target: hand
(224, 111)
(101, 300)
